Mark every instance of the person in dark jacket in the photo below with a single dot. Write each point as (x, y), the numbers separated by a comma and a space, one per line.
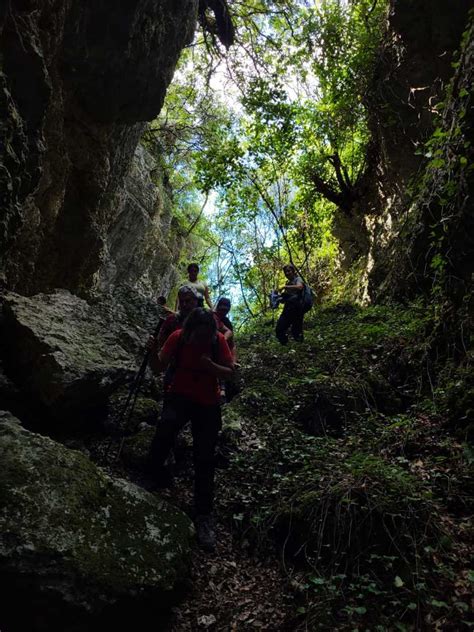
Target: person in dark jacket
(292, 314)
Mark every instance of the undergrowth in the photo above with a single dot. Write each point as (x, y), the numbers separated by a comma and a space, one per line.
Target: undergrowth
(350, 465)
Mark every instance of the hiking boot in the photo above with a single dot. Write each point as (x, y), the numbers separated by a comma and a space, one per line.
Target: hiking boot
(205, 532)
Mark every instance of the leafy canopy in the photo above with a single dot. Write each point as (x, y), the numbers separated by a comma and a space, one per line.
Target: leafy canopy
(274, 131)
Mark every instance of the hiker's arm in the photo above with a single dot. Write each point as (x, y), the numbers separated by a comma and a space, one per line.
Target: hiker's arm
(159, 362)
(207, 298)
(224, 369)
(163, 335)
(226, 332)
(297, 286)
(218, 370)
(221, 328)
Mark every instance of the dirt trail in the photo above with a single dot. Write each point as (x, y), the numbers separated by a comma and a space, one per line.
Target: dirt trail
(231, 589)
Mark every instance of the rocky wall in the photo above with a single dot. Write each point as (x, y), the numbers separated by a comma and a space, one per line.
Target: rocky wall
(77, 82)
(413, 69)
(434, 250)
(142, 242)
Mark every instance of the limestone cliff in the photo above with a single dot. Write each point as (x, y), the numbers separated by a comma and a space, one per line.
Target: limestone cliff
(77, 82)
(412, 70)
(142, 242)
(415, 67)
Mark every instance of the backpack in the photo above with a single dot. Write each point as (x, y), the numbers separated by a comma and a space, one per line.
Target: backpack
(307, 298)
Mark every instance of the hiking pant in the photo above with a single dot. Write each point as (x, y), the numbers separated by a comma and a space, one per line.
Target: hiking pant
(205, 426)
(291, 316)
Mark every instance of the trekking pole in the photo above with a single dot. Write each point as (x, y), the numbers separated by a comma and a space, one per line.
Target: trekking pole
(133, 394)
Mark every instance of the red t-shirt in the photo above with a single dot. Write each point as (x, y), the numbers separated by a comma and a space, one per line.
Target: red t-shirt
(189, 378)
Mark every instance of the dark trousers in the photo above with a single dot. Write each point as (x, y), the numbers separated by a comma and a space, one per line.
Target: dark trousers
(291, 316)
(205, 426)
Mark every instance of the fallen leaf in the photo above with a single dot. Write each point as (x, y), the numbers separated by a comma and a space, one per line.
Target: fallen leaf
(207, 620)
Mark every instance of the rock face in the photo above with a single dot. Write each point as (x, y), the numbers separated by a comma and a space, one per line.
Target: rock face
(76, 544)
(61, 351)
(76, 84)
(432, 251)
(411, 76)
(142, 243)
(413, 68)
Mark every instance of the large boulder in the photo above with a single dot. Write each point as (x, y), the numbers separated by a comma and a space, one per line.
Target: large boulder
(78, 547)
(62, 352)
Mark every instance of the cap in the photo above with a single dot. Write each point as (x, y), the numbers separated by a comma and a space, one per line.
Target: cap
(188, 289)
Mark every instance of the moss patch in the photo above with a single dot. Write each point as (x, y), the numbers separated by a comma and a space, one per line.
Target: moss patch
(89, 539)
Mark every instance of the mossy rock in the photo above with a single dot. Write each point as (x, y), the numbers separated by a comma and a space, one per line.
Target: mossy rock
(136, 449)
(76, 543)
(146, 410)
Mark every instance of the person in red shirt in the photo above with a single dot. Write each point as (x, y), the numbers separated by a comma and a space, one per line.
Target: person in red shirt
(199, 356)
(188, 299)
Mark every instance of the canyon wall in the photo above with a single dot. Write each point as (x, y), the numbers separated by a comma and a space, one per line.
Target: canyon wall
(78, 81)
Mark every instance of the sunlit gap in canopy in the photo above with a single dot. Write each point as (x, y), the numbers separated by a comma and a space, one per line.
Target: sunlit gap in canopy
(226, 80)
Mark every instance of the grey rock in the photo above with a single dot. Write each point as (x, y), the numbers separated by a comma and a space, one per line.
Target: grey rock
(142, 243)
(62, 352)
(136, 449)
(75, 543)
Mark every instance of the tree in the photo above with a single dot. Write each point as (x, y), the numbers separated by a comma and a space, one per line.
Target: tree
(285, 145)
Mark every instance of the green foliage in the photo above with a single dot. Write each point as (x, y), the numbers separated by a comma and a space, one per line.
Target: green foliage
(277, 149)
(364, 518)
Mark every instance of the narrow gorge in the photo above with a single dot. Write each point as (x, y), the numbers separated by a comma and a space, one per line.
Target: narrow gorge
(139, 136)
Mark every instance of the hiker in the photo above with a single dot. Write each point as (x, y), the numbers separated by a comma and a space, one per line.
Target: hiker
(222, 308)
(163, 310)
(224, 325)
(292, 314)
(200, 286)
(187, 300)
(199, 357)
